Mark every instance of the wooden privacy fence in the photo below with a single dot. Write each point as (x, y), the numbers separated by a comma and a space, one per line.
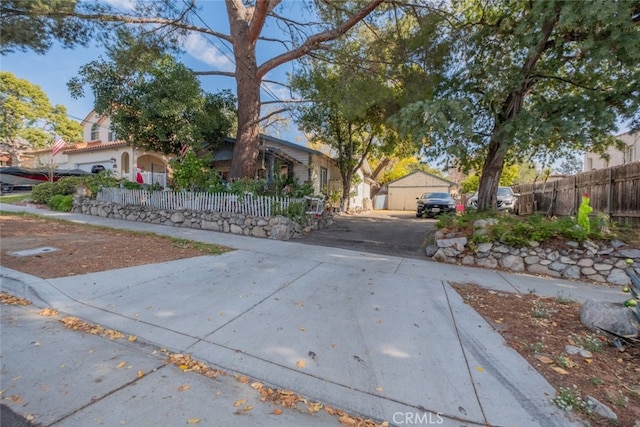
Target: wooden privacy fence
(614, 191)
(246, 204)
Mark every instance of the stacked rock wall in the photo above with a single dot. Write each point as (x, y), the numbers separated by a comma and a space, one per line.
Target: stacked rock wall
(603, 262)
(278, 227)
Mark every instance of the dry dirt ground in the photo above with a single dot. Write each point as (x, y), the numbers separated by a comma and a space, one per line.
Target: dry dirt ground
(538, 328)
(84, 249)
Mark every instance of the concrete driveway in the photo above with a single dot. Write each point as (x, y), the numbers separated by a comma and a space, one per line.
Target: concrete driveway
(396, 233)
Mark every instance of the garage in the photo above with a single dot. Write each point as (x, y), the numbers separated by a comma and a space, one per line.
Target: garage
(402, 193)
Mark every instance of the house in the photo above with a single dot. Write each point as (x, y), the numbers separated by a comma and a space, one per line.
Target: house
(630, 153)
(279, 157)
(403, 192)
(101, 150)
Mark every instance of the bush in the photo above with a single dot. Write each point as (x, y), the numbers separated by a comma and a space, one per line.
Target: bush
(61, 203)
(516, 231)
(41, 193)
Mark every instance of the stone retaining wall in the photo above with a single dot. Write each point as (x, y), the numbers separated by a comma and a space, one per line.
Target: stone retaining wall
(602, 263)
(278, 228)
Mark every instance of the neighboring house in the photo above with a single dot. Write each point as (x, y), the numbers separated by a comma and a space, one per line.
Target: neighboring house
(403, 192)
(361, 192)
(630, 153)
(100, 150)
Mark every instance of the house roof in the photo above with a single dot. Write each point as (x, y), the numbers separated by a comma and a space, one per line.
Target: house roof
(79, 147)
(94, 117)
(96, 146)
(275, 140)
(425, 173)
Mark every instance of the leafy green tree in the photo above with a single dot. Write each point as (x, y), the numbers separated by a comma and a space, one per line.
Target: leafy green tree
(172, 21)
(27, 119)
(346, 112)
(153, 101)
(36, 24)
(571, 165)
(526, 78)
(404, 167)
(194, 173)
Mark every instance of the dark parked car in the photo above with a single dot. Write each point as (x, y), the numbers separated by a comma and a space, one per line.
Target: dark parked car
(432, 204)
(507, 200)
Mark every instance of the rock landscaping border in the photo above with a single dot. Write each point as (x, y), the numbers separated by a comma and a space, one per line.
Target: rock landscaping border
(278, 227)
(594, 262)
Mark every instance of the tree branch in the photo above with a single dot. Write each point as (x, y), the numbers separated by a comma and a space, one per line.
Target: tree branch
(273, 113)
(215, 73)
(314, 41)
(262, 9)
(136, 20)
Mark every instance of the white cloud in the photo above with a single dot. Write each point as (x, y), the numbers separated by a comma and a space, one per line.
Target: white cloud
(203, 50)
(121, 4)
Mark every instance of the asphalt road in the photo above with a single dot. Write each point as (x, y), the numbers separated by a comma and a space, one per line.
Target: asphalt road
(397, 233)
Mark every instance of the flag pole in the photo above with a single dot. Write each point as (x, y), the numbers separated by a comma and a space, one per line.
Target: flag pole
(51, 160)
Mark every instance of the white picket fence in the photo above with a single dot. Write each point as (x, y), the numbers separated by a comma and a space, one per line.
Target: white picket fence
(246, 204)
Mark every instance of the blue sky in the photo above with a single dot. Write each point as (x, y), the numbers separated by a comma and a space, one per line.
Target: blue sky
(53, 70)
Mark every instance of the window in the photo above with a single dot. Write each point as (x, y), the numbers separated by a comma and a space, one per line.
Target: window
(629, 154)
(111, 136)
(95, 132)
(324, 175)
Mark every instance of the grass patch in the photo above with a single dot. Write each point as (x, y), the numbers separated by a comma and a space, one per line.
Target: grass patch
(207, 248)
(12, 199)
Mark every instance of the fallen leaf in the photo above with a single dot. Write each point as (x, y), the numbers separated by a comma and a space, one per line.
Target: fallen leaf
(559, 370)
(242, 379)
(256, 385)
(479, 369)
(247, 408)
(121, 364)
(301, 364)
(140, 374)
(48, 312)
(545, 359)
(277, 412)
(239, 402)
(588, 360)
(346, 420)
(298, 303)
(184, 387)
(184, 368)
(132, 338)
(378, 389)
(193, 420)
(301, 328)
(499, 320)
(314, 407)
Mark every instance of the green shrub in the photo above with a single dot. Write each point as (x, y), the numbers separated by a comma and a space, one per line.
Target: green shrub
(41, 193)
(61, 203)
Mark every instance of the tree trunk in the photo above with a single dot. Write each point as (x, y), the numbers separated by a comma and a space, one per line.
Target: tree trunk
(490, 178)
(245, 152)
(346, 189)
(497, 150)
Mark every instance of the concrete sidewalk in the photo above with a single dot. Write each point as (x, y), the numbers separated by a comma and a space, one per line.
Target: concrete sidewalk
(380, 337)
